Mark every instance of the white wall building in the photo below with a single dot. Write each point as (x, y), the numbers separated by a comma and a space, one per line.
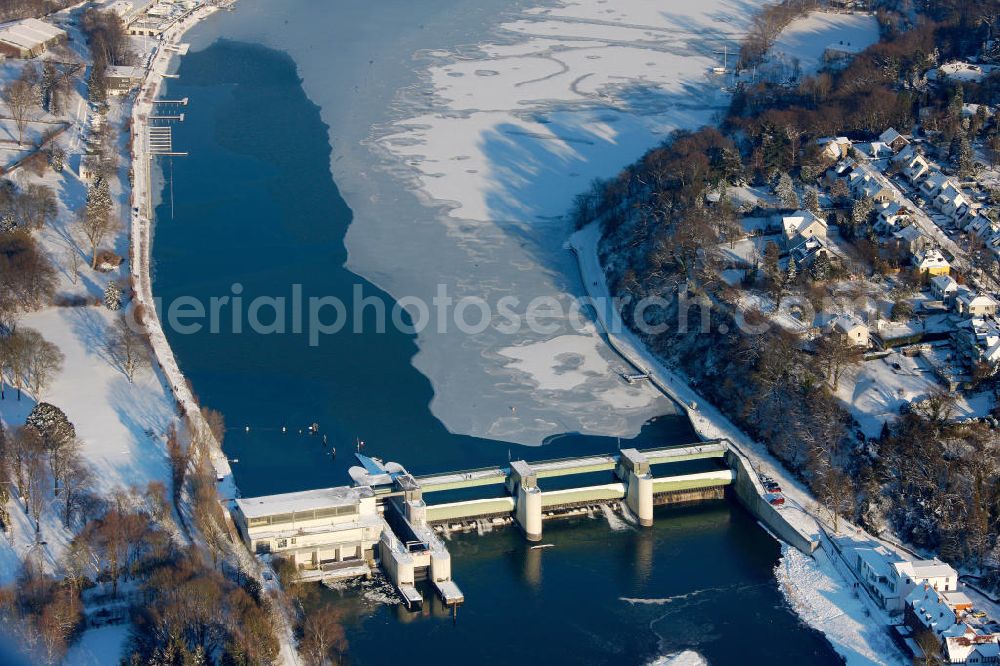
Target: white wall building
(318, 529)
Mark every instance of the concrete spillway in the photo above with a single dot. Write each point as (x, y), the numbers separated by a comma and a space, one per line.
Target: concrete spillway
(385, 515)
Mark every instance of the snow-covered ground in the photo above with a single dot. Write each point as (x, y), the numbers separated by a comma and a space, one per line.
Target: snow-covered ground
(806, 39)
(826, 601)
(98, 647)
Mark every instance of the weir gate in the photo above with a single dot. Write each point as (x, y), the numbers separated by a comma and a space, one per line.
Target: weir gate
(390, 516)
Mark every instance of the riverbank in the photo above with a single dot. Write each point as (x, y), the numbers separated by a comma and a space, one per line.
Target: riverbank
(141, 216)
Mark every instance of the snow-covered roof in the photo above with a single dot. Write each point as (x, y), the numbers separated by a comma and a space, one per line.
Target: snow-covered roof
(890, 135)
(846, 323)
(930, 258)
(944, 283)
(908, 234)
(306, 500)
(30, 33)
(800, 221)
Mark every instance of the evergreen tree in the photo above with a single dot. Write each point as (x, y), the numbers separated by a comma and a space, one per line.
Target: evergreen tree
(97, 86)
(811, 200)
(792, 271)
(112, 297)
(785, 190)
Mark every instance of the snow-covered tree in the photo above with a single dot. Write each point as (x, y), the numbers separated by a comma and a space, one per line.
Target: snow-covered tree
(57, 159)
(785, 189)
(52, 424)
(8, 223)
(811, 200)
(113, 297)
(792, 271)
(861, 210)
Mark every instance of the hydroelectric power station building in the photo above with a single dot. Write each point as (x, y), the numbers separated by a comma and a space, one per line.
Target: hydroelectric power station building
(385, 518)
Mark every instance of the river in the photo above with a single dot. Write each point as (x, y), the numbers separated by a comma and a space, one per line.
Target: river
(253, 210)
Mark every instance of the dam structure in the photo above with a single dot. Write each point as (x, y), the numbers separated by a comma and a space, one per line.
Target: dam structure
(394, 519)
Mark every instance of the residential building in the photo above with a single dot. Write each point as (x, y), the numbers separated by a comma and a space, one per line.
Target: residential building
(894, 140)
(893, 216)
(933, 183)
(866, 182)
(931, 262)
(809, 250)
(964, 639)
(852, 329)
(802, 224)
(934, 573)
(951, 201)
(912, 164)
(911, 239)
(973, 304)
(977, 340)
(944, 287)
(835, 148)
(28, 38)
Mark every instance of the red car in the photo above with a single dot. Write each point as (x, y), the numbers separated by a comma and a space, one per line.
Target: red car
(777, 500)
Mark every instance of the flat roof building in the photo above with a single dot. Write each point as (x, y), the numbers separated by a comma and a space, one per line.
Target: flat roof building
(323, 529)
(28, 38)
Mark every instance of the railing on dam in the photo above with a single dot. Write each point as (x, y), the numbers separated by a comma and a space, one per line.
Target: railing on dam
(484, 476)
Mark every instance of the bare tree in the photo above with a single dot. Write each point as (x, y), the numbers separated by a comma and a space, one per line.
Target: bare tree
(37, 205)
(127, 346)
(42, 360)
(76, 479)
(73, 264)
(20, 98)
(323, 639)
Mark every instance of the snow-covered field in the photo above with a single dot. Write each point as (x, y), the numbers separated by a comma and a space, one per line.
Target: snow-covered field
(121, 426)
(807, 38)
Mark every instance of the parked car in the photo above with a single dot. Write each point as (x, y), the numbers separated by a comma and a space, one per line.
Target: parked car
(777, 500)
(772, 487)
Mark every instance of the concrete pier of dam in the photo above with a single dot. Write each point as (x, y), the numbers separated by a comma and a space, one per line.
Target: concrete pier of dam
(388, 518)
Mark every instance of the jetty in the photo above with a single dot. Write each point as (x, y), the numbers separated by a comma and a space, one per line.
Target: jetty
(392, 519)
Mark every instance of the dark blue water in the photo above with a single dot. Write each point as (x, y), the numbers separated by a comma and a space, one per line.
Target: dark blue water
(255, 205)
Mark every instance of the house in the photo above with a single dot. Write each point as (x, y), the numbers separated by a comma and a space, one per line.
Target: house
(912, 164)
(28, 38)
(964, 639)
(933, 183)
(933, 572)
(809, 250)
(834, 148)
(890, 579)
(894, 140)
(972, 304)
(951, 201)
(931, 262)
(802, 224)
(893, 216)
(987, 231)
(865, 182)
(978, 341)
(874, 150)
(314, 528)
(122, 79)
(943, 287)
(851, 328)
(911, 239)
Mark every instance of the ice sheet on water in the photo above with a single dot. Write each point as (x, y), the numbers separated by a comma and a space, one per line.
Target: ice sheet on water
(684, 658)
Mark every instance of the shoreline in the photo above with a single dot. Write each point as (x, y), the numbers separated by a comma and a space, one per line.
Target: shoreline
(140, 245)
